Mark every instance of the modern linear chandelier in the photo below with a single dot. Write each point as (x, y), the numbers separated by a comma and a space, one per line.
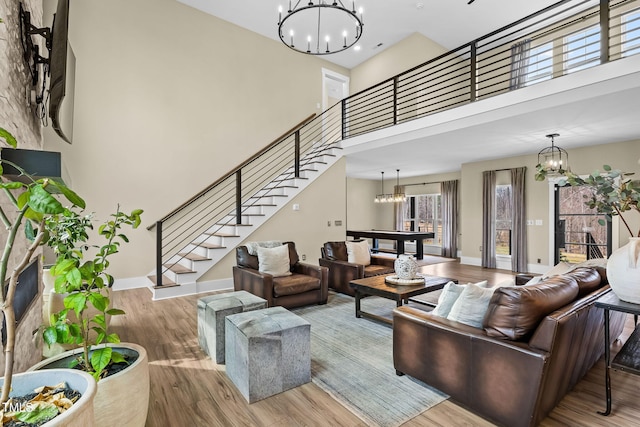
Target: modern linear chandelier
(554, 160)
(397, 195)
(320, 27)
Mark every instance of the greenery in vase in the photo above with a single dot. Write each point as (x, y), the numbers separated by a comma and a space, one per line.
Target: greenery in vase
(614, 192)
(34, 201)
(85, 282)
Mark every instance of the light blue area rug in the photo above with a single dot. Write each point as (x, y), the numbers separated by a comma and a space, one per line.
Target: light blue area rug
(352, 360)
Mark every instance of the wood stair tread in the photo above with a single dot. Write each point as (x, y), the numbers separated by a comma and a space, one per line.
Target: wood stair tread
(219, 234)
(179, 268)
(166, 282)
(194, 257)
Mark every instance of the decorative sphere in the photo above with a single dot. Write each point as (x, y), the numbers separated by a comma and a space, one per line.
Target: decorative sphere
(406, 267)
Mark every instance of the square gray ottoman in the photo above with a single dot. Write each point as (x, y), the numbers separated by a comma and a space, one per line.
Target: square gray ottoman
(211, 313)
(267, 352)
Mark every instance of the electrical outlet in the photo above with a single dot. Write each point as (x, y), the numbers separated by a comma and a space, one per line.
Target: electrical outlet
(530, 222)
(338, 222)
(304, 257)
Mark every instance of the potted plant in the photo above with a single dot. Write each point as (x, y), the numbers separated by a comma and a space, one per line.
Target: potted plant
(81, 276)
(34, 202)
(614, 193)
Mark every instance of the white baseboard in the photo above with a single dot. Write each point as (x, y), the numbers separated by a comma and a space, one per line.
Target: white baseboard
(131, 283)
(192, 288)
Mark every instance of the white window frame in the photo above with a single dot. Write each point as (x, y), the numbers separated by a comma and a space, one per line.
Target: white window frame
(537, 70)
(578, 57)
(633, 47)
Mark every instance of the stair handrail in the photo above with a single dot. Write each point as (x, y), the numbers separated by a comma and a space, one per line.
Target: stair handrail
(269, 146)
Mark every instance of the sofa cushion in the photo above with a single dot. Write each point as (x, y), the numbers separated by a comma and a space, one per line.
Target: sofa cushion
(336, 251)
(514, 312)
(245, 259)
(274, 261)
(358, 252)
(294, 284)
(471, 305)
(588, 280)
(447, 298)
(376, 270)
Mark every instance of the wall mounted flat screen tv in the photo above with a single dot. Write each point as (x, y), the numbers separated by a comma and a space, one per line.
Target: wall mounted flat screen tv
(62, 64)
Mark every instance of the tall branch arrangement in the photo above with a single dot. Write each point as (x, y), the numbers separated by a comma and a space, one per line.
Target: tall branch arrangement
(614, 192)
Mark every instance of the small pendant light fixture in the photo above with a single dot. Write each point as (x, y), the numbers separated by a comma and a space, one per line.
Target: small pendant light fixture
(553, 160)
(398, 196)
(381, 198)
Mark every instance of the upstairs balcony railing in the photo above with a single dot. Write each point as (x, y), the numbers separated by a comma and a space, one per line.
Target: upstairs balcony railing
(563, 38)
(566, 37)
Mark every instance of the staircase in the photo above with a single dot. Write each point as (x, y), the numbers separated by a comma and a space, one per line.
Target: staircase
(211, 224)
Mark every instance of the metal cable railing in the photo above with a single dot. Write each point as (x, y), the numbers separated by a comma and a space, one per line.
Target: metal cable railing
(563, 38)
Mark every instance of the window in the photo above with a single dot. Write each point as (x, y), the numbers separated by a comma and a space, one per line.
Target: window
(582, 49)
(422, 213)
(503, 219)
(540, 65)
(631, 34)
(579, 236)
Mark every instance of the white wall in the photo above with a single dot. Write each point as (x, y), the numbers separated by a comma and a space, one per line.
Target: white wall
(167, 100)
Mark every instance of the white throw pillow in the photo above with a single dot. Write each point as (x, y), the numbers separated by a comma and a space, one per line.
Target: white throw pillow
(506, 283)
(358, 252)
(534, 281)
(447, 298)
(472, 305)
(274, 261)
(559, 268)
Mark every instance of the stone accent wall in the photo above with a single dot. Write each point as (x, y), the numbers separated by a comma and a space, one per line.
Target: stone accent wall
(19, 117)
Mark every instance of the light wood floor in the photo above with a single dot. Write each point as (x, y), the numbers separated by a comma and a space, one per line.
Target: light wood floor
(189, 389)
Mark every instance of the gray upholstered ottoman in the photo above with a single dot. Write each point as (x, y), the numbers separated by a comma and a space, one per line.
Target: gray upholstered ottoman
(267, 352)
(211, 313)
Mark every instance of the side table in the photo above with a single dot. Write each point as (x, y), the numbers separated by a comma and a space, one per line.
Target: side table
(628, 358)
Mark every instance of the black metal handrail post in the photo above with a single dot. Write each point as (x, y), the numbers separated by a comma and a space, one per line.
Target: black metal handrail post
(473, 77)
(344, 117)
(239, 196)
(297, 153)
(159, 253)
(395, 100)
(604, 31)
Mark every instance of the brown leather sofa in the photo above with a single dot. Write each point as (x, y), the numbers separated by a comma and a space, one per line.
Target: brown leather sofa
(341, 272)
(526, 358)
(306, 285)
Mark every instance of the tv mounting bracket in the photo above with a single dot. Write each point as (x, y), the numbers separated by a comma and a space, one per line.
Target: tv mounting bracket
(31, 50)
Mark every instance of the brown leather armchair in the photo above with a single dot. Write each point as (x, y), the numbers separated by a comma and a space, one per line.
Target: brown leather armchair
(341, 272)
(306, 285)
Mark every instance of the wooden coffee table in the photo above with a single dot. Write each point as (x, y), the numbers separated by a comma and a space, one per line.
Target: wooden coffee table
(377, 286)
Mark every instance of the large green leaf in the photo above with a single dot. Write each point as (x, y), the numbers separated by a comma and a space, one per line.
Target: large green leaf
(50, 336)
(76, 301)
(9, 139)
(100, 358)
(69, 194)
(99, 301)
(41, 201)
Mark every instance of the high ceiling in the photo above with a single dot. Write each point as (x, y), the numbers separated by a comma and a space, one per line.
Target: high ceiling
(591, 107)
(450, 23)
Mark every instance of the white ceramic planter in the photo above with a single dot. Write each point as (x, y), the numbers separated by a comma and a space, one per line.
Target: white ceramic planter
(122, 399)
(623, 271)
(81, 413)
